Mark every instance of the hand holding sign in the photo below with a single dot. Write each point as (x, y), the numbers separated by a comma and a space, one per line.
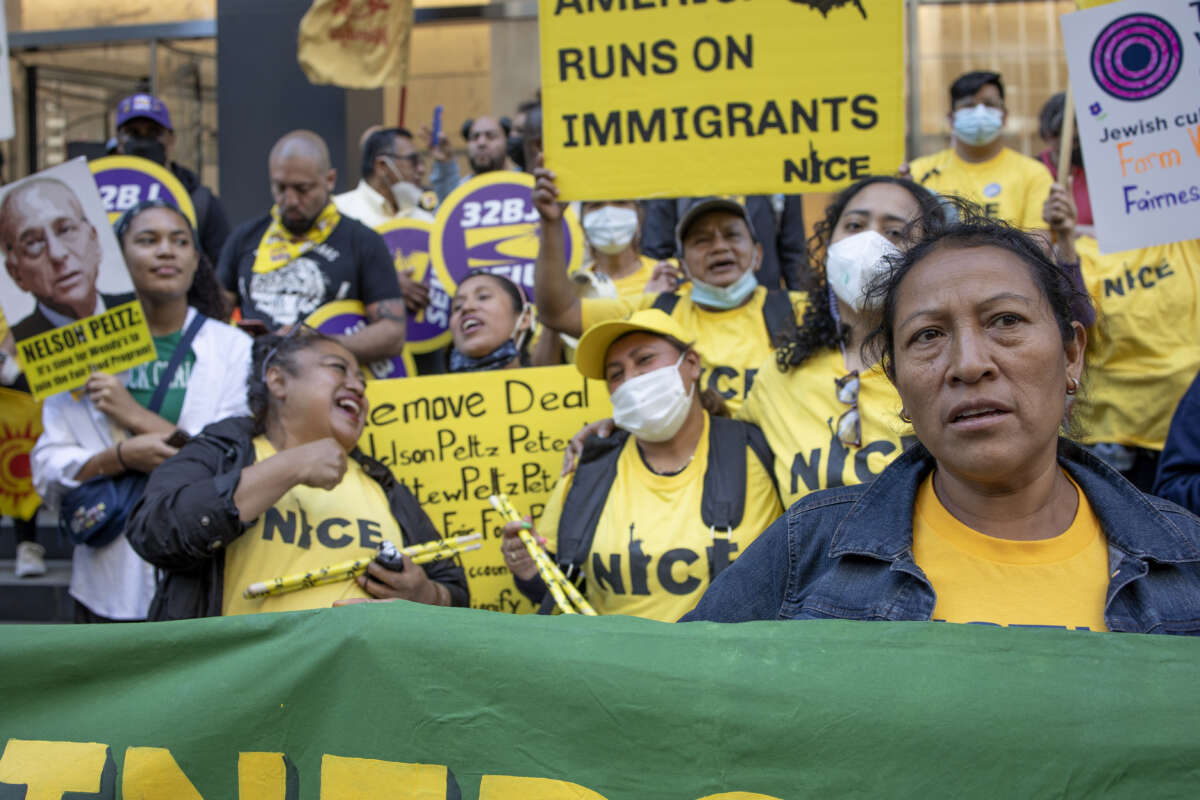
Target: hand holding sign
(545, 194)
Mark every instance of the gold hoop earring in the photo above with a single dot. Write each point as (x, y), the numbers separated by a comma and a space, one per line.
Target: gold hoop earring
(904, 417)
(1072, 385)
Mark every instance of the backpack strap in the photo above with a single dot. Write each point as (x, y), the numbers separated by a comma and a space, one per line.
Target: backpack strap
(666, 302)
(585, 500)
(724, 497)
(181, 350)
(779, 315)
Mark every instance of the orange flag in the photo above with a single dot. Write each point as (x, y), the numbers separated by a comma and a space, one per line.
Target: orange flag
(359, 44)
(20, 426)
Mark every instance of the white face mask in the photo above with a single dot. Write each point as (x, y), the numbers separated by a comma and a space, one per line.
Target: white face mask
(852, 263)
(405, 194)
(610, 229)
(978, 125)
(653, 406)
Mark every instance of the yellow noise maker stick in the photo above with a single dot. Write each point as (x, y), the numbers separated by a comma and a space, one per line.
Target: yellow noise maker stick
(565, 595)
(347, 570)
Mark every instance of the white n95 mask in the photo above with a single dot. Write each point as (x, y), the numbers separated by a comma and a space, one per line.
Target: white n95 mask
(852, 263)
(610, 229)
(653, 406)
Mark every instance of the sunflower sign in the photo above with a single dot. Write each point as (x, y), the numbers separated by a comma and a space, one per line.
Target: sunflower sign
(20, 426)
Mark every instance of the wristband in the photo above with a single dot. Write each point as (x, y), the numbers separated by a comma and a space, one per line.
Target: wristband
(121, 461)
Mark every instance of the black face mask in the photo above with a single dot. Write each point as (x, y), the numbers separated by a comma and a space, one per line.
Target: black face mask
(145, 148)
(516, 151)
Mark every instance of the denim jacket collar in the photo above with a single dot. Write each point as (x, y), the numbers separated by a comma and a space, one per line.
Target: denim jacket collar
(1131, 522)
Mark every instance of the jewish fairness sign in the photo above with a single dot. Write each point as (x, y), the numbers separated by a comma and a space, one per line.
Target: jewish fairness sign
(1135, 74)
(665, 98)
(399, 700)
(455, 440)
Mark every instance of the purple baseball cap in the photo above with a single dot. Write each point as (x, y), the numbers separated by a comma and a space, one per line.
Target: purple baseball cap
(143, 105)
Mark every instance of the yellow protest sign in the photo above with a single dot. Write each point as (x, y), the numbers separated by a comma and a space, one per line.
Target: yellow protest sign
(65, 290)
(667, 98)
(20, 426)
(454, 440)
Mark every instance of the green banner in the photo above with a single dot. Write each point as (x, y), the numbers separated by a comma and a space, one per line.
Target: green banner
(404, 701)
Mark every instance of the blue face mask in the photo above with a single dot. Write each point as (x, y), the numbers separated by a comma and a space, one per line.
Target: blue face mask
(724, 297)
(978, 125)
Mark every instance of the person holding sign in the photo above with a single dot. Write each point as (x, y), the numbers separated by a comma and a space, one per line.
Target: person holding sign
(658, 509)
(1143, 350)
(732, 319)
(829, 414)
(286, 490)
(113, 428)
(992, 518)
(979, 168)
(281, 267)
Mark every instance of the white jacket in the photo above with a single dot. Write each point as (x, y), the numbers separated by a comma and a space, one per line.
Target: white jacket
(113, 581)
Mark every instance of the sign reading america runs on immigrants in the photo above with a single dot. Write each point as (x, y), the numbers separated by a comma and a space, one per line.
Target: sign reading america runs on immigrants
(671, 98)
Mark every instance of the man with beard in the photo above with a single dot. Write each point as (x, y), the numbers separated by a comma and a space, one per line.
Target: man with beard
(286, 264)
(487, 146)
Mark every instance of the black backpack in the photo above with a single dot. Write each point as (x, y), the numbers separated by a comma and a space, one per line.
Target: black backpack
(722, 503)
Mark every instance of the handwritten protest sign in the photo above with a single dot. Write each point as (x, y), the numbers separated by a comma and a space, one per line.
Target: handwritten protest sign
(456, 439)
(1135, 74)
(125, 181)
(65, 291)
(489, 224)
(408, 242)
(658, 99)
(344, 317)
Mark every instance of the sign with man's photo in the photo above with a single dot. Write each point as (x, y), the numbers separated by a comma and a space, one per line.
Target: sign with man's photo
(65, 290)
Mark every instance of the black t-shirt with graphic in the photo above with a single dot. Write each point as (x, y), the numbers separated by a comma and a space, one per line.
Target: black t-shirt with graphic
(352, 264)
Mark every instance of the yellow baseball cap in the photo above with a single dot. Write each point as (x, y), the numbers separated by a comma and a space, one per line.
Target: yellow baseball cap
(594, 344)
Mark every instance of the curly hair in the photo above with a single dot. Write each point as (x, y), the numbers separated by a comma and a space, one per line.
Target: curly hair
(818, 330)
(205, 293)
(275, 350)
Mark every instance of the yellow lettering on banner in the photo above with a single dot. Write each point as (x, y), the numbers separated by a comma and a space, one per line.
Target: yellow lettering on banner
(677, 99)
(150, 773)
(266, 776)
(508, 787)
(353, 778)
(454, 440)
(48, 769)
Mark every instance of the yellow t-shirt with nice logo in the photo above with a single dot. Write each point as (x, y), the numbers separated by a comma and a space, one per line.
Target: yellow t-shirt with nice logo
(306, 529)
(1060, 582)
(1011, 186)
(651, 551)
(1144, 349)
(798, 411)
(732, 344)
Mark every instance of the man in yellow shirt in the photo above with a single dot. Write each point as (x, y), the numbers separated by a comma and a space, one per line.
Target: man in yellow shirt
(978, 167)
(730, 318)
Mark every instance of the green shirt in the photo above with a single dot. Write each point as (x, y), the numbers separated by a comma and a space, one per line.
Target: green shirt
(144, 378)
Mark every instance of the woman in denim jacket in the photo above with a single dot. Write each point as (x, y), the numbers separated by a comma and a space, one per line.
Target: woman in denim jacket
(992, 518)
